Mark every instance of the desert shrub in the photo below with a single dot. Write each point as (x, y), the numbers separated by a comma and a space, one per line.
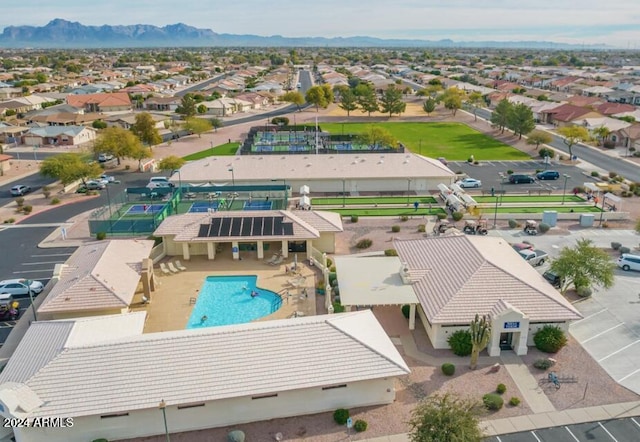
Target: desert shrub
(470, 160)
(101, 235)
(615, 245)
(543, 227)
(609, 144)
(613, 174)
(584, 292)
(333, 278)
(625, 250)
(448, 369)
(9, 221)
(513, 223)
(284, 121)
(55, 201)
(501, 389)
(127, 167)
(422, 228)
(20, 201)
(360, 426)
(27, 209)
(514, 401)
(509, 172)
(100, 440)
(364, 243)
(406, 309)
(329, 262)
(340, 416)
(544, 364)
(460, 343)
(605, 225)
(395, 229)
(595, 174)
(550, 339)
(476, 162)
(332, 269)
(457, 216)
(46, 191)
(354, 218)
(337, 307)
(236, 436)
(492, 401)
(391, 252)
(441, 216)
(404, 218)
(544, 152)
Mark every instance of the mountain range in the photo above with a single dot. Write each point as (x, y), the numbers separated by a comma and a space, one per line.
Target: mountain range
(60, 33)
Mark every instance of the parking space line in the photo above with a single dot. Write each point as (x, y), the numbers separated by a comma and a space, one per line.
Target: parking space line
(635, 422)
(33, 271)
(40, 263)
(607, 431)
(498, 437)
(53, 254)
(602, 333)
(629, 375)
(618, 351)
(572, 435)
(534, 435)
(590, 316)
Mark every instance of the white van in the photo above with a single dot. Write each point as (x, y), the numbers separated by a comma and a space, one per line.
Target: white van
(159, 181)
(629, 262)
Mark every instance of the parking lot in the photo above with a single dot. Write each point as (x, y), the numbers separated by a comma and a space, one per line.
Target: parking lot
(619, 430)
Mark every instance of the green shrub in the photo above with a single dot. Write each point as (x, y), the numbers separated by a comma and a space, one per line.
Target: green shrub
(543, 227)
(595, 174)
(9, 221)
(101, 235)
(332, 269)
(544, 364)
(284, 121)
(492, 401)
(550, 339)
(340, 416)
(441, 216)
(509, 172)
(584, 292)
(20, 201)
(395, 229)
(460, 343)
(127, 167)
(360, 426)
(470, 160)
(46, 193)
(391, 252)
(55, 201)
(514, 401)
(513, 223)
(27, 209)
(501, 389)
(406, 309)
(544, 152)
(364, 243)
(615, 245)
(422, 228)
(448, 369)
(612, 174)
(457, 216)
(625, 250)
(337, 307)
(333, 278)
(329, 263)
(404, 218)
(354, 218)
(476, 162)
(609, 144)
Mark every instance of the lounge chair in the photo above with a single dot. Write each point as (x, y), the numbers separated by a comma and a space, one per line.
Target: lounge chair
(297, 282)
(164, 269)
(172, 268)
(179, 266)
(277, 261)
(271, 260)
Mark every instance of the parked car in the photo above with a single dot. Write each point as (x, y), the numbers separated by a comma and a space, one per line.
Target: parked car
(534, 257)
(94, 185)
(629, 262)
(548, 175)
(469, 182)
(107, 178)
(519, 178)
(522, 246)
(159, 181)
(19, 287)
(20, 190)
(104, 157)
(553, 278)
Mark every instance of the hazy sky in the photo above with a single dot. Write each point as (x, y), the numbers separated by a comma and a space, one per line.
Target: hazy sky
(613, 22)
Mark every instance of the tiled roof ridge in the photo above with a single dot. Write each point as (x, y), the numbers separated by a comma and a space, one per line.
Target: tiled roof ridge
(300, 222)
(322, 214)
(110, 289)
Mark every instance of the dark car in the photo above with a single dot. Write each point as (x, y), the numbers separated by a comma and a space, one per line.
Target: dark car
(518, 179)
(548, 175)
(553, 278)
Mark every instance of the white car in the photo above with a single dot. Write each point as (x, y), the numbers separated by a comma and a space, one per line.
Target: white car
(104, 157)
(19, 287)
(107, 178)
(469, 182)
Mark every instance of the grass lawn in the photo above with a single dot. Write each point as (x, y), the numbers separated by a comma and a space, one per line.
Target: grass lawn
(388, 211)
(559, 209)
(351, 201)
(454, 141)
(530, 199)
(221, 150)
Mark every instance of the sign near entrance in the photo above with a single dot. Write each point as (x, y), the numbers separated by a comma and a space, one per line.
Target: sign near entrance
(513, 324)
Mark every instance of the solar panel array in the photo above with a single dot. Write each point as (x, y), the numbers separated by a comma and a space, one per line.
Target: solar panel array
(246, 226)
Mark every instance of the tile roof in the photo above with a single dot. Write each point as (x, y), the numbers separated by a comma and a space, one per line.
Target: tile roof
(102, 99)
(190, 366)
(568, 112)
(456, 277)
(98, 276)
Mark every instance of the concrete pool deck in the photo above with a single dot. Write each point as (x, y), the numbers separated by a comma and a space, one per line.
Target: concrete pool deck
(173, 301)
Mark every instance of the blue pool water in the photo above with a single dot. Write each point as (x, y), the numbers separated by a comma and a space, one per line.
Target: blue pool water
(226, 300)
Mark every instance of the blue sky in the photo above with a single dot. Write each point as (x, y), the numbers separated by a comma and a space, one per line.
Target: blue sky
(613, 22)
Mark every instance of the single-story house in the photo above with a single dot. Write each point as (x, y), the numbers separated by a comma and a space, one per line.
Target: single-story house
(102, 102)
(5, 163)
(565, 114)
(631, 136)
(366, 172)
(59, 135)
(614, 125)
(115, 382)
(126, 121)
(99, 278)
(163, 104)
(454, 278)
(249, 233)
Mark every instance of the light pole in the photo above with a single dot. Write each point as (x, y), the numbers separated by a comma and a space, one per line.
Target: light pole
(162, 406)
(408, 189)
(604, 197)
(343, 193)
(233, 178)
(564, 188)
(33, 307)
(495, 211)
(110, 213)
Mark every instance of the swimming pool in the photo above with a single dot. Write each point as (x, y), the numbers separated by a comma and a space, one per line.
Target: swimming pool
(226, 300)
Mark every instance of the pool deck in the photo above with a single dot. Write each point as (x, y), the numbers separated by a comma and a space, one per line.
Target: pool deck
(172, 302)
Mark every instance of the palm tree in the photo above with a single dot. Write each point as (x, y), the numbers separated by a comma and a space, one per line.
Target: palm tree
(480, 334)
(603, 133)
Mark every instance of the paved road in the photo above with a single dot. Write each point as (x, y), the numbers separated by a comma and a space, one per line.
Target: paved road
(619, 430)
(36, 181)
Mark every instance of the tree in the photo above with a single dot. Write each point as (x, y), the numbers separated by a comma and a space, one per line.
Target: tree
(197, 125)
(316, 96)
(139, 153)
(452, 99)
(475, 99)
(119, 142)
(145, 129)
(348, 101)
(216, 123)
(429, 105)
(69, 167)
(602, 133)
(500, 115)
(583, 266)
(480, 329)
(367, 100)
(441, 418)
(391, 101)
(202, 109)
(539, 137)
(573, 135)
(520, 120)
(187, 106)
(293, 97)
(377, 136)
(431, 90)
(171, 162)
(99, 124)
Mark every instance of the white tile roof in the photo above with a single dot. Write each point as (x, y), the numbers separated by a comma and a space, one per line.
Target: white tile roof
(320, 220)
(456, 277)
(189, 366)
(98, 275)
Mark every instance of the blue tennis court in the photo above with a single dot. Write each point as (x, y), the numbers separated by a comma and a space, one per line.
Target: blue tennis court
(140, 209)
(203, 207)
(257, 205)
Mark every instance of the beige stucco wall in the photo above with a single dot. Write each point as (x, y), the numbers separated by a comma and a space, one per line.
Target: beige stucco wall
(326, 243)
(215, 414)
(80, 314)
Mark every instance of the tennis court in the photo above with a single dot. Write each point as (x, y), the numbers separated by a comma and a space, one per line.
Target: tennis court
(141, 209)
(257, 205)
(203, 206)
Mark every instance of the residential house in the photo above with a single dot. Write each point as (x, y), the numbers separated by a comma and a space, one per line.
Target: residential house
(628, 96)
(585, 101)
(565, 114)
(10, 134)
(257, 101)
(631, 136)
(126, 121)
(162, 104)
(58, 136)
(112, 102)
(597, 91)
(615, 108)
(614, 125)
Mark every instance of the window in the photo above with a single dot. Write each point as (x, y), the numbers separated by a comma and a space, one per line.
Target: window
(264, 396)
(183, 407)
(332, 387)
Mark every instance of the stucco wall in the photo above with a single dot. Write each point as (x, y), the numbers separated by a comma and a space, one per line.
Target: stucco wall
(326, 243)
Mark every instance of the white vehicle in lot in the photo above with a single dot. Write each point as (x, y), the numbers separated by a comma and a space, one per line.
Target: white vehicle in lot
(20, 287)
(469, 182)
(104, 157)
(159, 181)
(629, 262)
(534, 257)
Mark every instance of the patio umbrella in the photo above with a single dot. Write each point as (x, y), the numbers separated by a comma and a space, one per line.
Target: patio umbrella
(295, 261)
